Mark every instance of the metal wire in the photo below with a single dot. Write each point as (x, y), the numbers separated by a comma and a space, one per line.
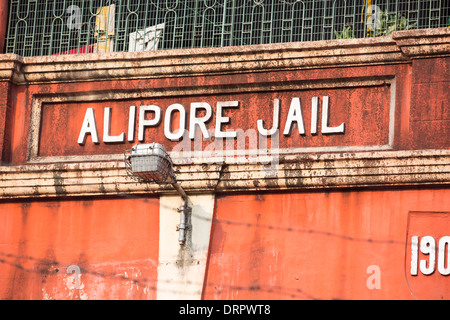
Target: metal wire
(46, 27)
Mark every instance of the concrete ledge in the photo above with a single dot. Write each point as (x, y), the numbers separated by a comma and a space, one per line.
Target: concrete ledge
(294, 172)
(423, 43)
(199, 62)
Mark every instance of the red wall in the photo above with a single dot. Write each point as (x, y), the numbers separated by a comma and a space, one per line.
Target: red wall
(289, 245)
(430, 98)
(114, 242)
(319, 245)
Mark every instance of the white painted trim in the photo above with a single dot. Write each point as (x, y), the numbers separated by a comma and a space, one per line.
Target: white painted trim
(181, 269)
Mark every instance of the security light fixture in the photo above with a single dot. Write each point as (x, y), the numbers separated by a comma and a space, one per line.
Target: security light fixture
(151, 163)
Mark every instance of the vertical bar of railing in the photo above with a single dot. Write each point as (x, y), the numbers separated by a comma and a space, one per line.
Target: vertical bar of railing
(25, 35)
(325, 22)
(45, 36)
(176, 28)
(33, 36)
(17, 28)
(184, 26)
(364, 18)
(396, 16)
(127, 30)
(295, 8)
(29, 39)
(222, 39)
(352, 16)
(65, 36)
(167, 21)
(91, 22)
(262, 23)
(130, 23)
(434, 13)
(271, 24)
(53, 27)
(232, 24)
(254, 25)
(333, 15)
(145, 23)
(195, 26)
(313, 18)
(246, 25)
(286, 21)
(419, 2)
(118, 30)
(302, 33)
(413, 11)
(157, 7)
(9, 28)
(205, 26)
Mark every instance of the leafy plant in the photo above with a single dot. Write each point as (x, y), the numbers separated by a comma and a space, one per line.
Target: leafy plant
(389, 22)
(384, 24)
(347, 33)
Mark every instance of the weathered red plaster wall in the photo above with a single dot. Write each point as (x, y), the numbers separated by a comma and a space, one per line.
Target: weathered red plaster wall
(319, 245)
(5, 121)
(114, 242)
(430, 103)
(353, 111)
(57, 129)
(291, 245)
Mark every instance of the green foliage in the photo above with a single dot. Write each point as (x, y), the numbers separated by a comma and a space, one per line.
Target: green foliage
(388, 23)
(347, 33)
(384, 26)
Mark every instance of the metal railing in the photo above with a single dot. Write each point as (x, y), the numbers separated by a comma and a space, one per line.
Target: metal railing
(46, 27)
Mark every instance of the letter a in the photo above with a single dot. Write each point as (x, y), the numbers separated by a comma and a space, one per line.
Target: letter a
(89, 126)
(374, 281)
(294, 115)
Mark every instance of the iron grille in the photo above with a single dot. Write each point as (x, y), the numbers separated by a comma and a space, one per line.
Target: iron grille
(46, 27)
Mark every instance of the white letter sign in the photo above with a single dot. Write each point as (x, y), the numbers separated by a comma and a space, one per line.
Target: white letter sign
(89, 126)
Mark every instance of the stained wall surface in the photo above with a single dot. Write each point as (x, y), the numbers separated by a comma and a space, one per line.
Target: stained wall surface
(355, 213)
(79, 249)
(325, 245)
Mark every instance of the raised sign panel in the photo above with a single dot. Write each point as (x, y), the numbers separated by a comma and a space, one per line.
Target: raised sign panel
(427, 265)
(269, 121)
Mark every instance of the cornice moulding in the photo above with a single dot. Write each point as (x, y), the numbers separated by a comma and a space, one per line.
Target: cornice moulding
(294, 172)
(424, 43)
(199, 62)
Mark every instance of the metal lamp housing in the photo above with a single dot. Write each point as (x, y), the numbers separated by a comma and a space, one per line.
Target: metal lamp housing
(151, 163)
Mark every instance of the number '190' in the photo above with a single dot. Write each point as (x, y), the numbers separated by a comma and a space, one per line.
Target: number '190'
(427, 246)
